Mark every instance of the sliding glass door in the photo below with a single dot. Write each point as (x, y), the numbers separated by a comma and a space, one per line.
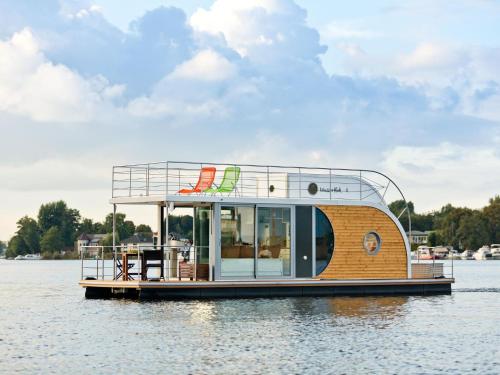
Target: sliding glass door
(274, 242)
(237, 224)
(256, 242)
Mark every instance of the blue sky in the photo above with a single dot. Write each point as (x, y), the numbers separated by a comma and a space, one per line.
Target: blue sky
(411, 89)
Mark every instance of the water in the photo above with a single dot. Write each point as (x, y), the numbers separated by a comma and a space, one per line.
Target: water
(47, 326)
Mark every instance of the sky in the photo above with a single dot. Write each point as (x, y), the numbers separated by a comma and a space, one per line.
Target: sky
(411, 89)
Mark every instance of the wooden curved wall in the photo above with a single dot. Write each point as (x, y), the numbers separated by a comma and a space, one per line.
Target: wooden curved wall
(350, 260)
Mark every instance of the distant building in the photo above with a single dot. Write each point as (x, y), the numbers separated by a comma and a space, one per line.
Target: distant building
(90, 240)
(138, 239)
(418, 237)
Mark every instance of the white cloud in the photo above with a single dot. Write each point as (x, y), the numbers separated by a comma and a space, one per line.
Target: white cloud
(432, 56)
(336, 30)
(261, 30)
(32, 86)
(206, 65)
(435, 175)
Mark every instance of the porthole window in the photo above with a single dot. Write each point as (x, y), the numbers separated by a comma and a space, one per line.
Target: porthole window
(372, 243)
(271, 188)
(312, 188)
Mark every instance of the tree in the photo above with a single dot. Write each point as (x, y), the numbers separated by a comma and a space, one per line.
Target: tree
(124, 228)
(27, 229)
(52, 241)
(16, 247)
(3, 247)
(57, 214)
(472, 231)
(492, 214)
(143, 228)
(435, 238)
(144, 231)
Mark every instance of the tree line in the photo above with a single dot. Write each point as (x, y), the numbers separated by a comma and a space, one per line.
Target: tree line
(57, 226)
(461, 227)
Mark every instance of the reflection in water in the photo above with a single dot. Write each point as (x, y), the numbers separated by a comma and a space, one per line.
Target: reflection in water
(388, 307)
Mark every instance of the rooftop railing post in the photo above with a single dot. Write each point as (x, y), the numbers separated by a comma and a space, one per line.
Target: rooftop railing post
(300, 183)
(360, 195)
(166, 179)
(268, 186)
(330, 170)
(130, 182)
(147, 181)
(113, 182)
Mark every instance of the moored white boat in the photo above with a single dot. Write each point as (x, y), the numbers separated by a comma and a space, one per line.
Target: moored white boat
(467, 255)
(483, 253)
(28, 257)
(495, 251)
(454, 254)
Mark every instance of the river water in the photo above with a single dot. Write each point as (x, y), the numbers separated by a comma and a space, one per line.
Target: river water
(47, 326)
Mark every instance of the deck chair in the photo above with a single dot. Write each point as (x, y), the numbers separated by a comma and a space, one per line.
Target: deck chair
(228, 183)
(207, 175)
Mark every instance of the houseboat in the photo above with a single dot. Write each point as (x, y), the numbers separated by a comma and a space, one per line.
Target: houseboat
(261, 231)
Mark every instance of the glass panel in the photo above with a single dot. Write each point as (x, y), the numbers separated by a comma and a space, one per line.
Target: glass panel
(237, 241)
(202, 233)
(324, 241)
(274, 239)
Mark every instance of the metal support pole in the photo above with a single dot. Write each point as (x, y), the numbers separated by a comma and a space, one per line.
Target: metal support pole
(114, 240)
(102, 256)
(81, 256)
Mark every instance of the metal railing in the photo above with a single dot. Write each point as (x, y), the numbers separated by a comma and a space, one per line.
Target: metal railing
(255, 181)
(134, 263)
(433, 268)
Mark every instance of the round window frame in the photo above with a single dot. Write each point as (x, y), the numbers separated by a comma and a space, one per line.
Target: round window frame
(379, 243)
(312, 188)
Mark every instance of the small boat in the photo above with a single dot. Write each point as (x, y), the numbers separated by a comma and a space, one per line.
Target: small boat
(495, 251)
(440, 252)
(483, 253)
(467, 255)
(425, 253)
(454, 254)
(28, 257)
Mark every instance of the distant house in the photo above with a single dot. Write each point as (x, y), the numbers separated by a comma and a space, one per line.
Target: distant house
(418, 237)
(138, 239)
(91, 240)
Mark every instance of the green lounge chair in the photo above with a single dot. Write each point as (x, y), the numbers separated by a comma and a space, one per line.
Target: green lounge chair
(228, 183)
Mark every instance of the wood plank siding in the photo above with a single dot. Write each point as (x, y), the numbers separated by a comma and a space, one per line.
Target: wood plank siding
(350, 260)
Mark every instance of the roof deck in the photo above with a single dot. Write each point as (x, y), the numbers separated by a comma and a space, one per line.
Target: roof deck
(212, 182)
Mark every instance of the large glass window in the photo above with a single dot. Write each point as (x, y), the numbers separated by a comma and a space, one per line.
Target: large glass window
(324, 241)
(237, 241)
(274, 242)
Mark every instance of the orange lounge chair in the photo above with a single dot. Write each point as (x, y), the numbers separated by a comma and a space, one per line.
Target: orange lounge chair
(207, 176)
